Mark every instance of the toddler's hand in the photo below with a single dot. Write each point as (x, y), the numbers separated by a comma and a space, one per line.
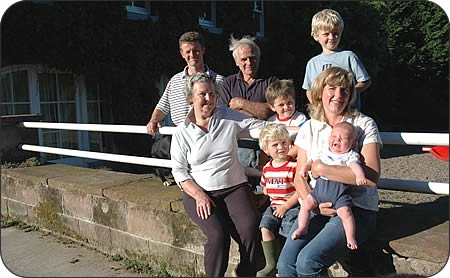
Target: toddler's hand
(280, 211)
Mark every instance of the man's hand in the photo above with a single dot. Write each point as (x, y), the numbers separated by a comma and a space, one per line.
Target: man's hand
(237, 103)
(152, 127)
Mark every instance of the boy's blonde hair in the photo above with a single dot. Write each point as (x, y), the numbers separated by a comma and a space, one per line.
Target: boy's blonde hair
(326, 20)
(280, 88)
(334, 76)
(272, 132)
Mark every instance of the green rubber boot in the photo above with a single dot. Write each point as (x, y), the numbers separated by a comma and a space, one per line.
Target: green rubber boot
(270, 253)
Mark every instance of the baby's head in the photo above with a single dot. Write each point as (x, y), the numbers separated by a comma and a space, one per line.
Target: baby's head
(342, 138)
(280, 95)
(326, 28)
(274, 141)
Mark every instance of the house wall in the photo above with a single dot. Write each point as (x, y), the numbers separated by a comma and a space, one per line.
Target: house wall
(12, 135)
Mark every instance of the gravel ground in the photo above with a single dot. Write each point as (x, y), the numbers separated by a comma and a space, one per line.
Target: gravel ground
(410, 163)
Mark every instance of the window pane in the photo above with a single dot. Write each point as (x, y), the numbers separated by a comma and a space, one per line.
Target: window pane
(104, 113)
(91, 90)
(68, 114)
(6, 94)
(140, 4)
(50, 138)
(258, 6)
(93, 115)
(22, 109)
(20, 85)
(206, 10)
(95, 139)
(49, 112)
(47, 87)
(69, 139)
(66, 87)
(6, 109)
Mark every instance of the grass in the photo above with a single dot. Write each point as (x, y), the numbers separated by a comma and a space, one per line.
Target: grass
(30, 162)
(140, 267)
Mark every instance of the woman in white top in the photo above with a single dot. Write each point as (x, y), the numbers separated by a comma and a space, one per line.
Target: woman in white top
(333, 96)
(216, 194)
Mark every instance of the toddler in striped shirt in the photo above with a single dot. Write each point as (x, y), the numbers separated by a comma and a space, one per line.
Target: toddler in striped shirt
(277, 181)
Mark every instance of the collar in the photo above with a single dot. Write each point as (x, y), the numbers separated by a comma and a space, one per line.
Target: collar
(285, 119)
(319, 125)
(240, 77)
(187, 120)
(186, 75)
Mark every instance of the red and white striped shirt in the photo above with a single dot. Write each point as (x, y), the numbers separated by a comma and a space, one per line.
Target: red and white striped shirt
(279, 181)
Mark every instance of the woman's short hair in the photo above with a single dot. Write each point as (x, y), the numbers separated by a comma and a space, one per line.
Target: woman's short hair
(249, 41)
(334, 76)
(272, 132)
(280, 88)
(326, 20)
(196, 78)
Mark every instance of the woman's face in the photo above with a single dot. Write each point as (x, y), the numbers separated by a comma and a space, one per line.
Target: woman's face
(203, 98)
(335, 99)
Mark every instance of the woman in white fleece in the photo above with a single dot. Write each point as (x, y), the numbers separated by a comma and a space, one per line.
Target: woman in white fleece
(205, 166)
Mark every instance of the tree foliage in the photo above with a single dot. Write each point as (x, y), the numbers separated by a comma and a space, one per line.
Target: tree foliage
(403, 44)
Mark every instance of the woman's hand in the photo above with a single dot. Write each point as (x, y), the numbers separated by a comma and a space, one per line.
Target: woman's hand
(316, 168)
(327, 209)
(204, 206)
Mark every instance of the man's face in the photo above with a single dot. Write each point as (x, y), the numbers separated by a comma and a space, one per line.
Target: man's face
(192, 53)
(247, 61)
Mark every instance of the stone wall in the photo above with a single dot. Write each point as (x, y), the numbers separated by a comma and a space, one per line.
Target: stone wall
(136, 217)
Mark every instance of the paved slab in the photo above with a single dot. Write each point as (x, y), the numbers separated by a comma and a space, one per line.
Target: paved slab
(37, 254)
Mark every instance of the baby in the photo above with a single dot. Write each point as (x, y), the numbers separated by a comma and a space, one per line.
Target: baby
(339, 152)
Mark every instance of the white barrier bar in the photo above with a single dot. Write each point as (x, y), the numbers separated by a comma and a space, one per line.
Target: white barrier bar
(414, 186)
(392, 184)
(168, 130)
(411, 138)
(156, 162)
(389, 138)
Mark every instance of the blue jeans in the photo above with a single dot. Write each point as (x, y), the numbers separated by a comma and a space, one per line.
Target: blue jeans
(323, 245)
(281, 226)
(248, 157)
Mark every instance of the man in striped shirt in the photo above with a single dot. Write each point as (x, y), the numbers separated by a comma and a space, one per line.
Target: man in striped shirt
(173, 100)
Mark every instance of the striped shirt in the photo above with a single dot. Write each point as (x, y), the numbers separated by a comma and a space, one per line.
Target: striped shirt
(173, 100)
(279, 181)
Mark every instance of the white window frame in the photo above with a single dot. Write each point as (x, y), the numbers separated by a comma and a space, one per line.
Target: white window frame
(210, 24)
(139, 13)
(81, 145)
(259, 12)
